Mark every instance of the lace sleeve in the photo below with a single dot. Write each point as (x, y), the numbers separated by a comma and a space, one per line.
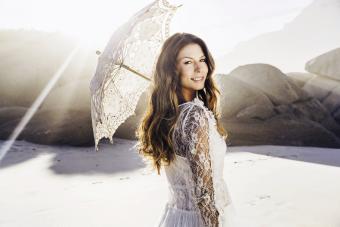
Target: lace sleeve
(196, 133)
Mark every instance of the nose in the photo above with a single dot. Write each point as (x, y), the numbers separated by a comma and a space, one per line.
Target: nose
(197, 67)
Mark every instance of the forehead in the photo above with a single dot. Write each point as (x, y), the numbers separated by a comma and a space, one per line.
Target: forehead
(192, 50)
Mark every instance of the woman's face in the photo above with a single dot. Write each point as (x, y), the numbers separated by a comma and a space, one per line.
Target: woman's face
(192, 69)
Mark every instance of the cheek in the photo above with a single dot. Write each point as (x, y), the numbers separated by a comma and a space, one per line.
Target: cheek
(185, 72)
(205, 68)
(188, 71)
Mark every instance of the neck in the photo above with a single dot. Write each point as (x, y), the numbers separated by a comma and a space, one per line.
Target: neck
(189, 95)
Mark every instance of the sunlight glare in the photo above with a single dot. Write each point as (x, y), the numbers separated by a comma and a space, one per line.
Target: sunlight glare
(33, 109)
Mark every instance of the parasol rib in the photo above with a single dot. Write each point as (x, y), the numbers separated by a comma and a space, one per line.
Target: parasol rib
(134, 71)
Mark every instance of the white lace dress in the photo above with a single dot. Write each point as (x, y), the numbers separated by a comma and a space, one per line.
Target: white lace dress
(198, 193)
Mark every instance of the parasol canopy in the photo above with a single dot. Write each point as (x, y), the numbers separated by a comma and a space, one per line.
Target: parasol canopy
(125, 67)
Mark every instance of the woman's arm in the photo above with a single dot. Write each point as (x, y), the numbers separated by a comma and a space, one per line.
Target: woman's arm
(197, 132)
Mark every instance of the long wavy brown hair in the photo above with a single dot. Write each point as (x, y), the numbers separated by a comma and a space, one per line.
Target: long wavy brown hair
(155, 131)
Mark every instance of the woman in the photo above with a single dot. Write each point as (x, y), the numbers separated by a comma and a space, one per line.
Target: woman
(181, 132)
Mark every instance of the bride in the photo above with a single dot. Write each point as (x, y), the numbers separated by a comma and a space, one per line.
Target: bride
(181, 132)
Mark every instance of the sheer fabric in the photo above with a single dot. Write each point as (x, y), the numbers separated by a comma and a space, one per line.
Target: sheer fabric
(198, 195)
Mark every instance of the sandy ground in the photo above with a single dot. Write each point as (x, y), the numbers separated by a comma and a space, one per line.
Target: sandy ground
(271, 186)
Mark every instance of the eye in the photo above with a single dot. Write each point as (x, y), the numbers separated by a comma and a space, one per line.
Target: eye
(203, 60)
(187, 62)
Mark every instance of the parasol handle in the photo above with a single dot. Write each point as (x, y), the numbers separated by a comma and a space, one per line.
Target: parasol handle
(134, 71)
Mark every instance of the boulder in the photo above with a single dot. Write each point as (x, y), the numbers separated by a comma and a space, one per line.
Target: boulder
(303, 95)
(327, 64)
(270, 80)
(311, 110)
(73, 95)
(9, 113)
(336, 115)
(54, 126)
(332, 101)
(299, 78)
(280, 130)
(320, 87)
(30, 58)
(327, 91)
(303, 123)
(241, 99)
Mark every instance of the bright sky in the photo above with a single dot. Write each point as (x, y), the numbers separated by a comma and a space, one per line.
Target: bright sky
(221, 23)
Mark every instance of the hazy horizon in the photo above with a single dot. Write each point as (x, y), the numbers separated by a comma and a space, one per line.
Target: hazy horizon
(231, 22)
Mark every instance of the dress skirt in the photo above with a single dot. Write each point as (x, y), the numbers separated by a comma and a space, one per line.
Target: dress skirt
(174, 217)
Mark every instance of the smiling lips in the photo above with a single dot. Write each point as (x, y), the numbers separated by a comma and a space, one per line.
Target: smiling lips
(198, 78)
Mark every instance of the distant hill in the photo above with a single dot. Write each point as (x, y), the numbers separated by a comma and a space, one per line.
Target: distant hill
(314, 31)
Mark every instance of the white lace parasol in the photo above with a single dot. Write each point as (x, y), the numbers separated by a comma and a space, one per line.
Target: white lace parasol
(125, 67)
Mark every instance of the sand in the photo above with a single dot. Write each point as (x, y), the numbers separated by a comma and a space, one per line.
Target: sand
(271, 186)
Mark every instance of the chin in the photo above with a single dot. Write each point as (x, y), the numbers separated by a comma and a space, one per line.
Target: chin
(200, 87)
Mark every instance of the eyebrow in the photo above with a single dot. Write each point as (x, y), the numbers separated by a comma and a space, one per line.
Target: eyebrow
(191, 57)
